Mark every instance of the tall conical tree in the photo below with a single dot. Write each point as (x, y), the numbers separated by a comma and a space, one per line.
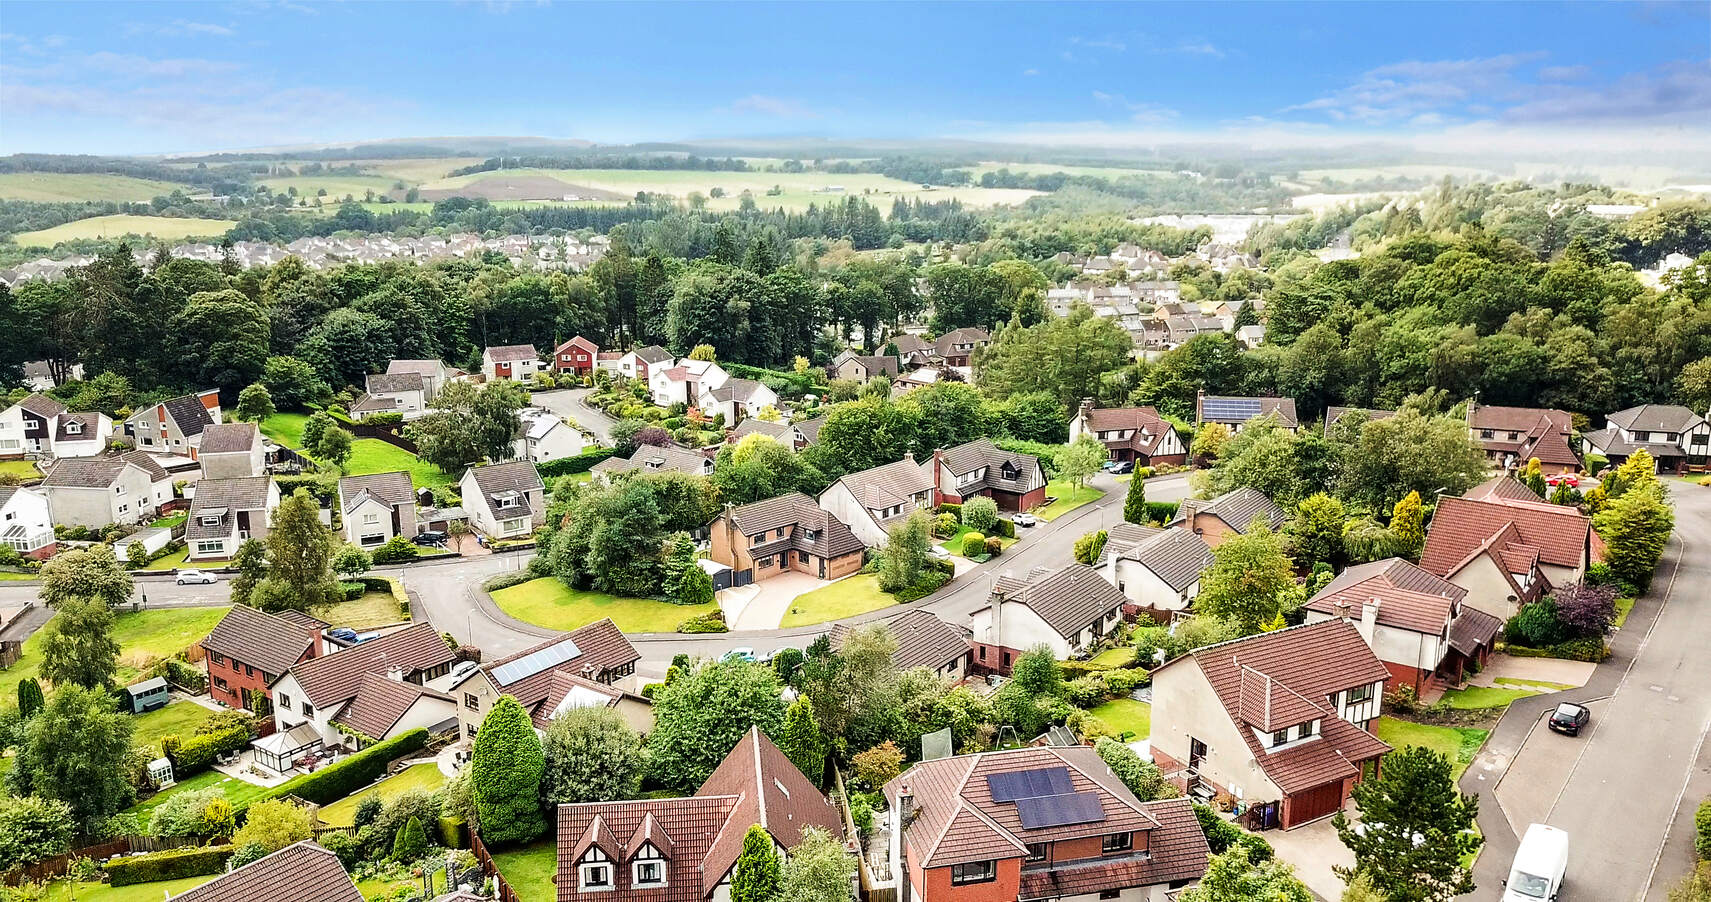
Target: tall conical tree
(802, 742)
(757, 875)
(30, 699)
(506, 765)
(1408, 521)
(1135, 503)
(1414, 797)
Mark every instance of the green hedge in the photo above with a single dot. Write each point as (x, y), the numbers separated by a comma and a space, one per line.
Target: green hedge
(196, 754)
(1590, 650)
(566, 466)
(324, 488)
(453, 833)
(1004, 528)
(951, 507)
(710, 622)
(1702, 826)
(1162, 511)
(173, 865)
(334, 782)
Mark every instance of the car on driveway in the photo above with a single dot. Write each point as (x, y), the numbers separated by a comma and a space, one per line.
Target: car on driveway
(1127, 466)
(1569, 719)
(195, 578)
(431, 538)
(1025, 520)
(1568, 479)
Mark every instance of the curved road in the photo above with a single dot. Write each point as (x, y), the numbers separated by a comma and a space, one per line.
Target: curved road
(569, 404)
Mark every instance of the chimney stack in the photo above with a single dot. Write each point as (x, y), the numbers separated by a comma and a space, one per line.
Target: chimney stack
(1369, 621)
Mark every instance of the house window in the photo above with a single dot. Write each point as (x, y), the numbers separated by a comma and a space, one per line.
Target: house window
(594, 872)
(220, 683)
(469, 730)
(373, 538)
(1037, 851)
(973, 872)
(1485, 433)
(517, 524)
(308, 710)
(649, 873)
(371, 518)
(1280, 737)
(1357, 695)
(471, 702)
(214, 547)
(284, 701)
(1116, 842)
(1110, 894)
(1700, 438)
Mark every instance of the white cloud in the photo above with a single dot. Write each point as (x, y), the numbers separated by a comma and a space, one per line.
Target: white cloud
(1564, 73)
(1139, 111)
(1200, 48)
(768, 105)
(179, 27)
(1401, 91)
(1676, 93)
(1030, 72)
(132, 65)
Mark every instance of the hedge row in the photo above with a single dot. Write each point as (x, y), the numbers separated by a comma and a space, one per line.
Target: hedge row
(334, 782)
(196, 754)
(174, 865)
(1162, 511)
(581, 463)
(1589, 650)
(1702, 828)
(391, 587)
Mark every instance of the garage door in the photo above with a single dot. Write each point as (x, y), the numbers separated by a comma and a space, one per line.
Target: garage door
(1315, 803)
(744, 577)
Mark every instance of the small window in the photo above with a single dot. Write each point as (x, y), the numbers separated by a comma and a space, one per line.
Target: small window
(1357, 695)
(1280, 737)
(308, 710)
(973, 872)
(1110, 894)
(471, 702)
(1116, 842)
(284, 701)
(1037, 851)
(596, 877)
(649, 873)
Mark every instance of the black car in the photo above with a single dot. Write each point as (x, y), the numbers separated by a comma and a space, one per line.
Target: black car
(430, 538)
(1569, 719)
(1126, 466)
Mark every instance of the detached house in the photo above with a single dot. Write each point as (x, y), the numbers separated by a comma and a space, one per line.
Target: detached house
(1228, 514)
(1235, 412)
(375, 688)
(1676, 437)
(783, 433)
(175, 426)
(957, 348)
(1157, 570)
(544, 436)
(924, 642)
(685, 849)
(518, 363)
(434, 374)
(38, 425)
(377, 507)
(26, 524)
(640, 363)
(761, 540)
(1280, 720)
(1511, 436)
(231, 451)
(1507, 550)
(1066, 610)
(737, 400)
(873, 501)
(685, 382)
(1037, 824)
(863, 369)
(226, 512)
(655, 459)
(571, 670)
(300, 872)
(405, 394)
(249, 649)
(96, 491)
(578, 355)
(1016, 481)
(504, 501)
(1135, 434)
(913, 349)
(1335, 415)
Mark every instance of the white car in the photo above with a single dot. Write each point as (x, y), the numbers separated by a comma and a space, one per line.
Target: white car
(743, 653)
(1025, 520)
(195, 578)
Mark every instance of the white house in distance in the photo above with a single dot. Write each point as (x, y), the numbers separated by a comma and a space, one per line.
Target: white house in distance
(873, 501)
(225, 512)
(232, 450)
(737, 400)
(377, 507)
(96, 491)
(685, 381)
(504, 501)
(40, 425)
(516, 362)
(545, 436)
(1157, 569)
(640, 363)
(435, 374)
(1066, 610)
(405, 394)
(25, 524)
(175, 426)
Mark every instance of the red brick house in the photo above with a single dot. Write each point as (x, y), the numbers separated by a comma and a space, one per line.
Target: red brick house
(1136, 434)
(248, 649)
(1036, 823)
(980, 468)
(761, 540)
(578, 355)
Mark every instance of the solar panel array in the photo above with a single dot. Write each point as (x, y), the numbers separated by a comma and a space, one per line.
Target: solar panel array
(1059, 810)
(1024, 784)
(1237, 409)
(535, 662)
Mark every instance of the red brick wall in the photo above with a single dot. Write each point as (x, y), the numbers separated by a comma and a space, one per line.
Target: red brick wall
(935, 884)
(1403, 675)
(237, 681)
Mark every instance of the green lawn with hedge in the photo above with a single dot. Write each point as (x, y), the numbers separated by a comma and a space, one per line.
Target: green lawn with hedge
(371, 609)
(953, 543)
(550, 603)
(66, 890)
(529, 870)
(180, 718)
(1125, 715)
(417, 776)
(1460, 744)
(142, 637)
(1068, 498)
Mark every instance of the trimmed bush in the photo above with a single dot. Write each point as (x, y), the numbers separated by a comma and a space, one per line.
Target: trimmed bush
(1702, 828)
(173, 865)
(710, 622)
(507, 580)
(396, 551)
(454, 834)
(973, 544)
(1162, 511)
(411, 842)
(994, 546)
(979, 514)
(580, 463)
(1003, 527)
(196, 754)
(952, 508)
(338, 780)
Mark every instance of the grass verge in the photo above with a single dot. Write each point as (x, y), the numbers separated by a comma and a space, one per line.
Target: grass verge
(370, 610)
(845, 598)
(1460, 744)
(1068, 498)
(141, 637)
(550, 603)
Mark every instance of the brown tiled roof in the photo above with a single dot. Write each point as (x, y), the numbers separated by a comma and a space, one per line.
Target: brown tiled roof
(512, 352)
(578, 342)
(393, 382)
(875, 364)
(335, 678)
(303, 620)
(560, 686)
(947, 342)
(981, 452)
(268, 641)
(800, 512)
(1067, 599)
(1473, 628)
(1148, 427)
(229, 438)
(389, 488)
(888, 485)
(1334, 414)
(1269, 705)
(810, 428)
(1517, 419)
(1410, 597)
(89, 421)
(1461, 526)
(923, 640)
(1503, 487)
(301, 872)
(1543, 432)
(1176, 851)
(42, 406)
(770, 792)
(601, 648)
(692, 823)
(737, 390)
(379, 702)
(1237, 508)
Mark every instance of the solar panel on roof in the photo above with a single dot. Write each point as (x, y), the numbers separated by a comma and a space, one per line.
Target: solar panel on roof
(1058, 810)
(1230, 408)
(535, 662)
(1024, 784)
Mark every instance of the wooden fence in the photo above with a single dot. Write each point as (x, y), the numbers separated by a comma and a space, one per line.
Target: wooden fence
(370, 430)
(506, 894)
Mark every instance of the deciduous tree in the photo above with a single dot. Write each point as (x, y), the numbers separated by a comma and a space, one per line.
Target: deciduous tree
(1233, 877)
(592, 755)
(334, 446)
(92, 573)
(74, 750)
(255, 403)
(1635, 528)
(1247, 579)
(299, 556)
(818, 869)
(78, 647)
(33, 828)
(1316, 532)
(1080, 459)
(702, 715)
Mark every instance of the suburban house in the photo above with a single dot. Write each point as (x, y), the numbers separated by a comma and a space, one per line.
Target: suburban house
(435, 374)
(578, 355)
(26, 523)
(920, 377)
(685, 849)
(761, 540)
(1135, 434)
(374, 688)
(1036, 824)
(40, 425)
(1180, 330)
(957, 348)
(1016, 481)
(377, 507)
(640, 363)
(809, 429)
(1235, 412)
(783, 433)
(300, 872)
(1507, 550)
(174, 426)
(1067, 610)
(1279, 720)
(249, 649)
(1413, 619)
(1334, 415)
(545, 436)
(685, 382)
(1158, 570)
(737, 400)
(924, 641)
(225, 512)
(872, 501)
(1676, 437)
(571, 670)
(913, 349)
(231, 451)
(1511, 436)
(518, 363)
(1228, 514)
(504, 501)
(96, 491)
(655, 459)
(863, 369)
(1251, 336)
(405, 394)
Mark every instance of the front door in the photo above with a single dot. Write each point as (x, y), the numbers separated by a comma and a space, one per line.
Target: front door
(784, 561)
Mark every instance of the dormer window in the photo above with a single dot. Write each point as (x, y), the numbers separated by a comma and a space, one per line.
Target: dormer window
(809, 535)
(594, 871)
(74, 429)
(211, 521)
(647, 869)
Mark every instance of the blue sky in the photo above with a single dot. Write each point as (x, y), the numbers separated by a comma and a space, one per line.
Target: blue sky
(165, 77)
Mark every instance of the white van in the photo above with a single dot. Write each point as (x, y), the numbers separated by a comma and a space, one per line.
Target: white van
(1536, 875)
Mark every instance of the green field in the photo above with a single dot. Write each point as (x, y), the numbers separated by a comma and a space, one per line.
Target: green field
(530, 871)
(370, 610)
(1460, 744)
(845, 598)
(1103, 172)
(62, 187)
(141, 636)
(417, 776)
(165, 228)
(238, 792)
(66, 891)
(1125, 715)
(337, 186)
(23, 469)
(549, 603)
(368, 455)
(1068, 498)
(180, 718)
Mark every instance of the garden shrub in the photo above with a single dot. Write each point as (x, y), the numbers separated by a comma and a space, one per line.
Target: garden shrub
(579, 463)
(507, 580)
(710, 622)
(994, 546)
(173, 865)
(952, 508)
(454, 834)
(396, 551)
(973, 544)
(196, 754)
(1220, 834)
(944, 524)
(344, 845)
(979, 514)
(352, 590)
(1161, 511)
(928, 584)
(1702, 830)
(1003, 527)
(411, 842)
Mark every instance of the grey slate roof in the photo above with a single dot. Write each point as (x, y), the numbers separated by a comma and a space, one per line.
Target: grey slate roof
(42, 406)
(1655, 418)
(888, 485)
(1177, 556)
(923, 640)
(657, 459)
(1333, 414)
(229, 438)
(517, 476)
(391, 488)
(736, 390)
(187, 411)
(756, 425)
(224, 497)
(89, 422)
(98, 472)
(512, 352)
(1237, 508)
(810, 428)
(390, 382)
(982, 452)
(1068, 600)
(653, 354)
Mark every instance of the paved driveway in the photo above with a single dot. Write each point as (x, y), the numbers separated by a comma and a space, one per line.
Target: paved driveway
(769, 605)
(568, 404)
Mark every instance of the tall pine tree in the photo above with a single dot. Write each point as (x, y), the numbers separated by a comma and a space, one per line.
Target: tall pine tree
(1417, 829)
(757, 877)
(1135, 503)
(802, 742)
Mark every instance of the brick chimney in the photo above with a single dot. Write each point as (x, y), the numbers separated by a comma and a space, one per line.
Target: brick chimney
(938, 460)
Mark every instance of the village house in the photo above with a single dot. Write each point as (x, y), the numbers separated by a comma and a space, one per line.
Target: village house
(912, 348)
(1158, 570)
(737, 400)
(40, 426)
(640, 363)
(226, 512)
(376, 689)
(1228, 514)
(1135, 434)
(300, 872)
(1676, 437)
(1507, 546)
(174, 426)
(685, 849)
(956, 348)
(685, 382)
(924, 642)
(1279, 720)
(376, 508)
(1235, 412)
(1415, 621)
(518, 363)
(544, 436)
(1511, 436)
(809, 429)
(1335, 415)
(1067, 610)
(249, 649)
(578, 356)
(232, 451)
(873, 501)
(95, 491)
(1187, 327)
(1250, 336)
(654, 459)
(918, 378)
(863, 369)
(433, 373)
(405, 394)
(504, 501)
(979, 468)
(1036, 824)
(789, 533)
(26, 522)
(783, 433)
(578, 669)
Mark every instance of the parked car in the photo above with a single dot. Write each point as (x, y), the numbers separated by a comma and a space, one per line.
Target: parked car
(1569, 719)
(195, 578)
(464, 667)
(1539, 865)
(1025, 520)
(741, 654)
(430, 539)
(1108, 465)
(342, 633)
(1127, 466)
(1569, 479)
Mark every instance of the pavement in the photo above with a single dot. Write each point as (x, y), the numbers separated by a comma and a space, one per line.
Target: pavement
(771, 600)
(448, 594)
(1644, 766)
(571, 405)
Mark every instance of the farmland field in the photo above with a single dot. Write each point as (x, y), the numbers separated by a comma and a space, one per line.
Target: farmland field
(337, 186)
(55, 187)
(1104, 172)
(163, 227)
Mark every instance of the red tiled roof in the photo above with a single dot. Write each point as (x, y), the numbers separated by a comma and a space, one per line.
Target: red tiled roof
(1502, 487)
(1410, 597)
(692, 824)
(770, 792)
(1460, 526)
(1269, 705)
(301, 872)
(380, 702)
(1176, 850)
(335, 678)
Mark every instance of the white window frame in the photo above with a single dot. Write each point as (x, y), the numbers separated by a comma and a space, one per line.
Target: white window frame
(210, 546)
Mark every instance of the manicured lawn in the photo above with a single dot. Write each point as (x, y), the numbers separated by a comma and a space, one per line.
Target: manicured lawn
(419, 776)
(17, 574)
(845, 598)
(141, 636)
(285, 428)
(23, 469)
(1068, 498)
(238, 792)
(1125, 715)
(1624, 607)
(1113, 657)
(180, 560)
(171, 520)
(1474, 697)
(371, 455)
(530, 870)
(550, 603)
(954, 543)
(177, 719)
(1459, 743)
(372, 609)
(384, 887)
(65, 890)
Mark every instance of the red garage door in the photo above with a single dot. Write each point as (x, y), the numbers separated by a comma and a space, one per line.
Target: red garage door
(1314, 803)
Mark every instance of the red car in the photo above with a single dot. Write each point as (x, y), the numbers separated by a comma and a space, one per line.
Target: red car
(1571, 480)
